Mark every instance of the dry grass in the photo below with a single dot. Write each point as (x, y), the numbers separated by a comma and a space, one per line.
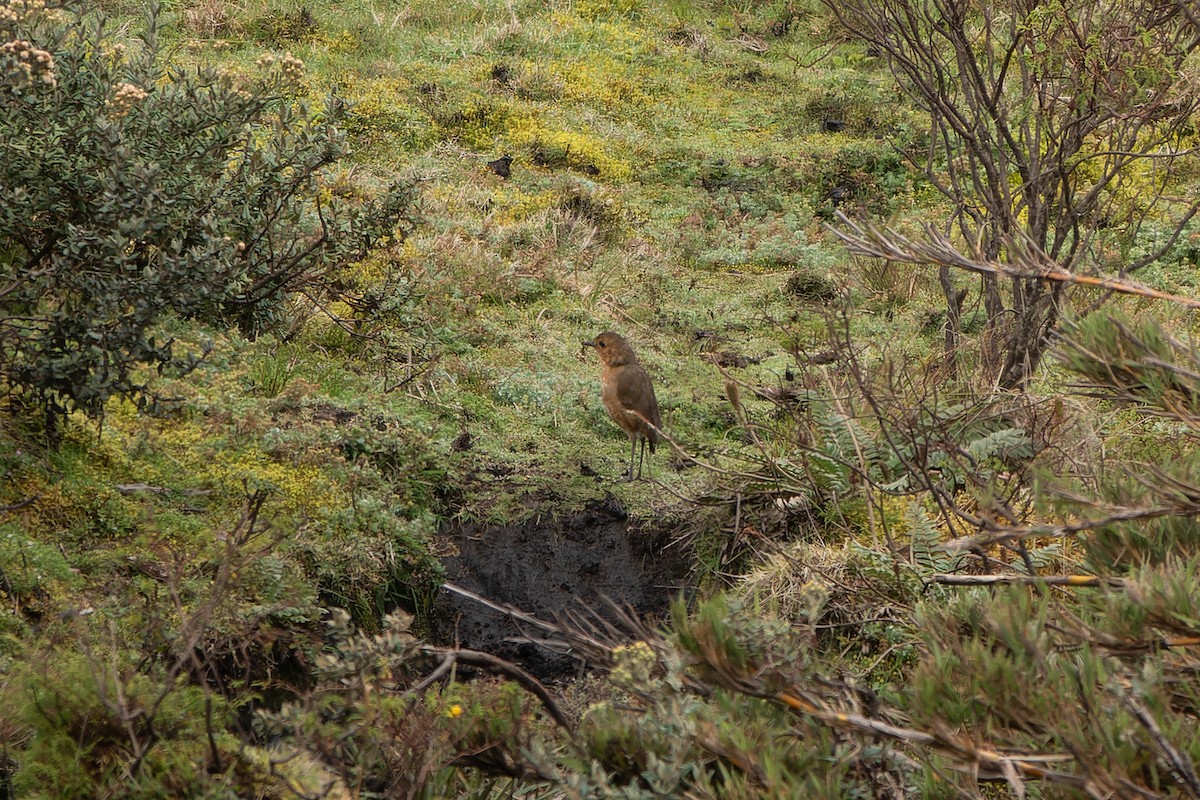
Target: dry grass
(212, 19)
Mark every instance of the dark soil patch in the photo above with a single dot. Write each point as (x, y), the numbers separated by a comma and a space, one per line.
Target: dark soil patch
(546, 567)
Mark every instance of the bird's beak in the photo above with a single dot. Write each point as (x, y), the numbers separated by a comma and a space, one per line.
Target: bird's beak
(588, 343)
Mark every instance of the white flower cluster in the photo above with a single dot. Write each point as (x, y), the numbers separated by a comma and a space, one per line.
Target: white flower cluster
(290, 68)
(125, 98)
(24, 65)
(15, 11)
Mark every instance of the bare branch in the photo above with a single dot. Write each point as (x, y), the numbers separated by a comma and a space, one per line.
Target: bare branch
(1003, 534)
(1024, 580)
(973, 758)
(488, 661)
(1177, 760)
(866, 239)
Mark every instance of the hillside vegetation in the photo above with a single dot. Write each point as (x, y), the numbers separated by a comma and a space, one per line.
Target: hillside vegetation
(292, 297)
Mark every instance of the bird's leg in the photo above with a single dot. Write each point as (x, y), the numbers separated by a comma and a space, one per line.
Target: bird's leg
(641, 458)
(632, 450)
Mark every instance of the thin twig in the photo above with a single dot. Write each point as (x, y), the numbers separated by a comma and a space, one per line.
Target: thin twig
(1049, 580)
(1032, 765)
(873, 242)
(18, 506)
(1177, 760)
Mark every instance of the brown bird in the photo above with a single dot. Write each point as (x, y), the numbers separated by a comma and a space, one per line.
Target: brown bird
(627, 394)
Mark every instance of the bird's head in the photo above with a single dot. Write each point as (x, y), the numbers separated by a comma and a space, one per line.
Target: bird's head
(612, 348)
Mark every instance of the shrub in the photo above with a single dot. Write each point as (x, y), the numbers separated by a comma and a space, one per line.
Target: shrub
(100, 732)
(296, 24)
(137, 191)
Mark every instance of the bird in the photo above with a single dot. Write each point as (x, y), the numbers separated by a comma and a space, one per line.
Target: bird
(627, 394)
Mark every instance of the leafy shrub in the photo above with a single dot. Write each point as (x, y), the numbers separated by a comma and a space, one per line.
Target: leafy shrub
(29, 567)
(370, 560)
(401, 741)
(96, 732)
(137, 191)
(874, 175)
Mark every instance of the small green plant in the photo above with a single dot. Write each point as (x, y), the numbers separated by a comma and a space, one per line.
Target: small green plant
(272, 372)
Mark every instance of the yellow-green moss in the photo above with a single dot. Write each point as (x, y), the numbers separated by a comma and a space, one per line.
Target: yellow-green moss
(190, 453)
(577, 149)
(602, 82)
(513, 204)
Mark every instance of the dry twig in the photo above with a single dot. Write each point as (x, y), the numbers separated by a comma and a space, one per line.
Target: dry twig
(866, 239)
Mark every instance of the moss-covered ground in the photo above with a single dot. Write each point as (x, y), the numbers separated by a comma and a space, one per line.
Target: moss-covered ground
(674, 166)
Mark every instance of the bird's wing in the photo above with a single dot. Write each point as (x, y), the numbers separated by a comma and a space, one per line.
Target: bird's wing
(634, 391)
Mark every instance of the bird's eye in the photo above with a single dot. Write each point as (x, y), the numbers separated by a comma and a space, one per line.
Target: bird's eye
(600, 344)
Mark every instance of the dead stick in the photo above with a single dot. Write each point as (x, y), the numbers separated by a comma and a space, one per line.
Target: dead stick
(20, 505)
(516, 614)
(1050, 580)
(1032, 765)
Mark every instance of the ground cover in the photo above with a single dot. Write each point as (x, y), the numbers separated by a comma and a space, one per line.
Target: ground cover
(250, 552)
